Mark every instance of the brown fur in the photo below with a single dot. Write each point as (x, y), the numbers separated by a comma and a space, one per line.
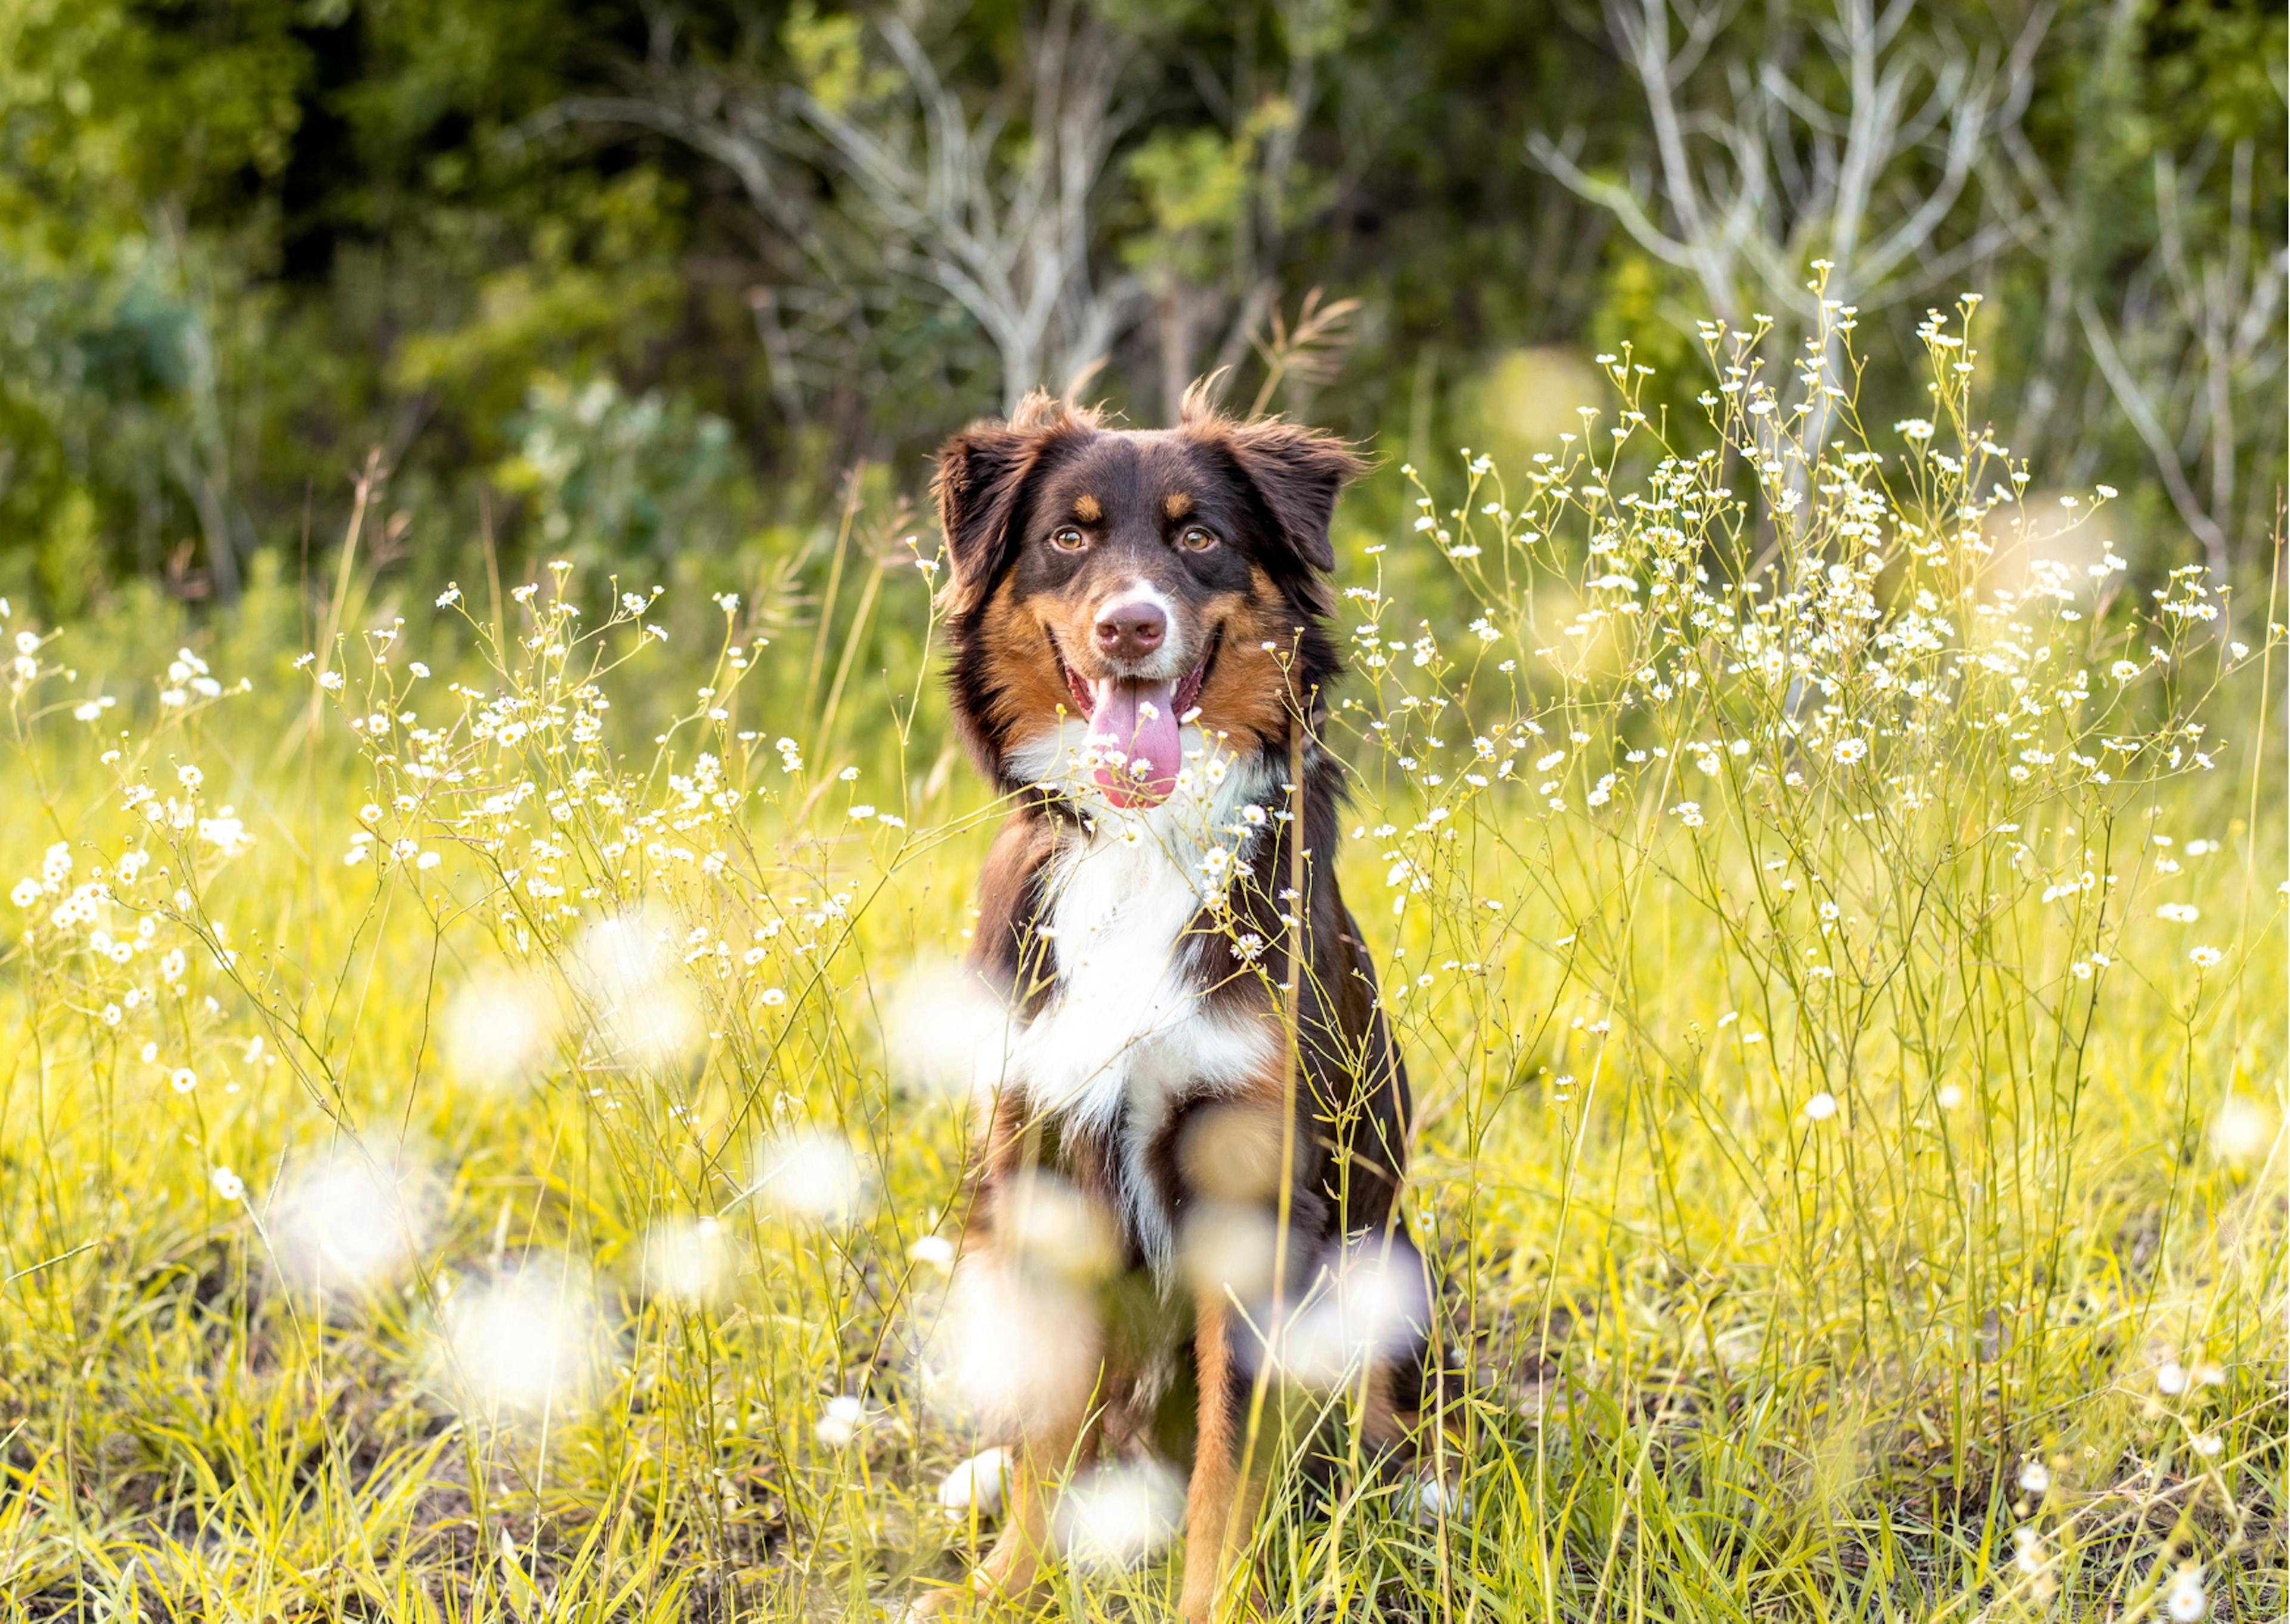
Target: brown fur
(1231, 1151)
(1213, 1530)
(1248, 697)
(1020, 644)
(1319, 1135)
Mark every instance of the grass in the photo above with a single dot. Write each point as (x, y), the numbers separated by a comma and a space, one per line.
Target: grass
(1852, 1198)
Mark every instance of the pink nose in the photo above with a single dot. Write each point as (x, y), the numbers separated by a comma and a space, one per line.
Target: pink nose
(1131, 631)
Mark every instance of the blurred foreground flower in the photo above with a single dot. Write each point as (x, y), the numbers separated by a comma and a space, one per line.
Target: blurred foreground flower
(1045, 1223)
(1230, 1246)
(945, 1033)
(632, 979)
(499, 1028)
(686, 1261)
(839, 1422)
(349, 1218)
(2242, 1131)
(932, 1251)
(811, 1177)
(1116, 1515)
(527, 1342)
(1372, 1305)
(1012, 1345)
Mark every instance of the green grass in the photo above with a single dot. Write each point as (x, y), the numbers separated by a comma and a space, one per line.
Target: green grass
(1921, 1261)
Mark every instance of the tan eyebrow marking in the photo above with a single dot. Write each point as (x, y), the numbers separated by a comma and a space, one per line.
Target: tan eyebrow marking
(1087, 509)
(1176, 504)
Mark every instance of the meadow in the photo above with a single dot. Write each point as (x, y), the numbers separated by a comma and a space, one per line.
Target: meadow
(483, 1104)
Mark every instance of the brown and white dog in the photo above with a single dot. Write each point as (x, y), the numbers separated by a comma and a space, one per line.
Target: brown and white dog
(1141, 667)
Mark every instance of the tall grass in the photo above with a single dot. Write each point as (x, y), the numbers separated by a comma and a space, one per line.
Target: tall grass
(474, 1144)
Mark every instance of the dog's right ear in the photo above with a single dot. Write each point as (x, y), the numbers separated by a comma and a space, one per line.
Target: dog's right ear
(979, 472)
(984, 476)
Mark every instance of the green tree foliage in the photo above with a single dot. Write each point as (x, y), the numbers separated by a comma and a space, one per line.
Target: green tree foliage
(243, 244)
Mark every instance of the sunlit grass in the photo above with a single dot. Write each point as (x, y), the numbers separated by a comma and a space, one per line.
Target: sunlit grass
(493, 1155)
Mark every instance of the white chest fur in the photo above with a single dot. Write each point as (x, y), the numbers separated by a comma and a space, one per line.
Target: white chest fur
(1126, 1026)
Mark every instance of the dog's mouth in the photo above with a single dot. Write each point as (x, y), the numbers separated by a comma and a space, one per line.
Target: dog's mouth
(1133, 724)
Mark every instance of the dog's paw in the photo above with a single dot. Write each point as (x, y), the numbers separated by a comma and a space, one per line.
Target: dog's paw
(946, 1601)
(980, 1598)
(979, 1485)
(1438, 1498)
(1235, 1607)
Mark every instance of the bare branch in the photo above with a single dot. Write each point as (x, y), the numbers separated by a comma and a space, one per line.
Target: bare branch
(2133, 399)
(1002, 228)
(1858, 185)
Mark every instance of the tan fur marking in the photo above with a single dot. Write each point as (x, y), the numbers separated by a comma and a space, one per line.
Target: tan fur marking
(1177, 504)
(1088, 509)
(1246, 695)
(1232, 1152)
(1009, 1140)
(1214, 1534)
(1059, 1429)
(1383, 1425)
(1246, 698)
(1012, 1568)
(1032, 688)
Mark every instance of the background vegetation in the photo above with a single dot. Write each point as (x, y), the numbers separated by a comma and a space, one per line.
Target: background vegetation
(641, 281)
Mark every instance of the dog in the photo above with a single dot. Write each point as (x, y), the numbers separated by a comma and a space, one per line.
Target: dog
(1142, 664)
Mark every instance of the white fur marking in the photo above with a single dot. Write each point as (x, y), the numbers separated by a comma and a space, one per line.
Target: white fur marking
(1126, 1025)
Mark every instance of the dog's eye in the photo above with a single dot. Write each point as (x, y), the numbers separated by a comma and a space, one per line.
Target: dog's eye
(1068, 539)
(1195, 540)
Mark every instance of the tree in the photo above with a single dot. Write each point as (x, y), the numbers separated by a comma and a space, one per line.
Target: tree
(2163, 262)
(991, 201)
(1848, 138)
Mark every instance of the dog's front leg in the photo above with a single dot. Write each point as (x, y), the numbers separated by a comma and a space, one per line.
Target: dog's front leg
(1220, 1500)
(1011, 1567)
(1046, 1452)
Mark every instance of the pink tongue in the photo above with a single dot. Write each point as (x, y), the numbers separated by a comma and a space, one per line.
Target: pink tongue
(1139, 719)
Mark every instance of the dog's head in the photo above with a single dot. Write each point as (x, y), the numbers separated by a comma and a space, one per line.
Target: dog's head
(1135, 585)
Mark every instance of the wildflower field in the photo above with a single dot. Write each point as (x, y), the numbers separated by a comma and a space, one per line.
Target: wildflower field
(484, 1096)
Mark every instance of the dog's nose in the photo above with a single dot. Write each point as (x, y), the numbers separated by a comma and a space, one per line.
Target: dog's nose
(1130, 630)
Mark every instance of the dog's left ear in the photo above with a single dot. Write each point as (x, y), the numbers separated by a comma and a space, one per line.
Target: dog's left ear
(1297, 473)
